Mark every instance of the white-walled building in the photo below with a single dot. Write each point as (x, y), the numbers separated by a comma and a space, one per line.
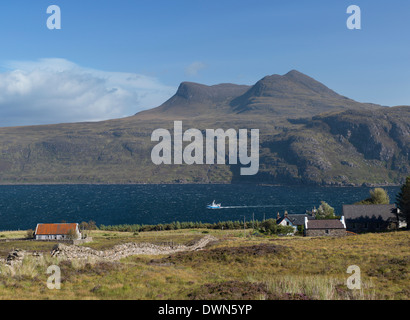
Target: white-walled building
(57, 231)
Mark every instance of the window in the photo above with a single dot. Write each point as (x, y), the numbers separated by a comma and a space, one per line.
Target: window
(327, 231)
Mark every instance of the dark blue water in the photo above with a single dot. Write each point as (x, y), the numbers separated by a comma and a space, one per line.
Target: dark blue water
(22, 207)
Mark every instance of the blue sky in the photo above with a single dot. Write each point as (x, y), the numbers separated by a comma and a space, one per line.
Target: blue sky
(158, 44)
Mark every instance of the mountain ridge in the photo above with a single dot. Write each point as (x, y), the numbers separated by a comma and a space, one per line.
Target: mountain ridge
(293, 94)
(309, 134)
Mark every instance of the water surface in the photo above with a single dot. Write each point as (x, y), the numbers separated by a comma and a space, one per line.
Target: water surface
(23, 206)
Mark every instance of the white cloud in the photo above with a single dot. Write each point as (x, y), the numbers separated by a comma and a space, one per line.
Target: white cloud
(58, 90)
(194, 68)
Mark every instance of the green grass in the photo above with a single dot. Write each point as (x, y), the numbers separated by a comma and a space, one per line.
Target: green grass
(107, 239)
(236, 267)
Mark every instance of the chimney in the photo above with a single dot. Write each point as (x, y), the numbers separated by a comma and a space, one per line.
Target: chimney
(278, 216)
(342, 220)
(286, 214)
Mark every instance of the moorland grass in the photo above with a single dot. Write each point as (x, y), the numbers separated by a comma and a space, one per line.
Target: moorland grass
(235, 267)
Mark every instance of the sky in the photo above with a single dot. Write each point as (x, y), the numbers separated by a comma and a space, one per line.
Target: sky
(112, 59)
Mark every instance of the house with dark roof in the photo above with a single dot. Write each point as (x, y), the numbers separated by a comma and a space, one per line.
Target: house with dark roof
(293, 220)
(372, 218)
(325, 227)
(57, 231)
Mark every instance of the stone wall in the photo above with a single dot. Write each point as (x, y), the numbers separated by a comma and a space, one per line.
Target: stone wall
(322, 232)
(16, 256)
(124, 250)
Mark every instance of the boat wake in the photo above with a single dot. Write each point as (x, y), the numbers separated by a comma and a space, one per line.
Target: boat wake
(245, 207)
(214, 205)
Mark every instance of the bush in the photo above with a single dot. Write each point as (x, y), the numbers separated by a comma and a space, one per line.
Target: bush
(269, 226)
(325, 211)
(284, 230)
(377, 196)
(221, 225)
(30, 234)
(72, 235)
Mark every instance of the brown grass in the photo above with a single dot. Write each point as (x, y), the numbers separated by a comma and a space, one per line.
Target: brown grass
(234, 268)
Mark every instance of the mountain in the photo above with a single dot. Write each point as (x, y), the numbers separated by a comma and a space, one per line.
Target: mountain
(309, 134)
(291, 95)
(348, 148)
(194, 99)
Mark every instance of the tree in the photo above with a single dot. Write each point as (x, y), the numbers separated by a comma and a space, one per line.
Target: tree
(83, 226)
(92, 225)
(29, 234)
(377, 196)
(325, 211)
(84, 229)
(269, 226)
(71, 234)
(403, 201)
(285, 230)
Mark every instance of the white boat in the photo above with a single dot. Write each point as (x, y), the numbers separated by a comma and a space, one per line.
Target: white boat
(214, 205)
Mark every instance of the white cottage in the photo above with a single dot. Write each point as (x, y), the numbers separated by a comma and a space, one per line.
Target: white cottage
(57, 231)
(293, 220)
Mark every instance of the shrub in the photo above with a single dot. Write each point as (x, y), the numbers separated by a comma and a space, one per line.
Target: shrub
(284, 230)
(377, 196)
(325, 211)
(30, 234)
(269, 226)
(72, 235)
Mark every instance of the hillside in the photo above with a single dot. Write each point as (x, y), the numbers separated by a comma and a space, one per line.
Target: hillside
(193, 99)
(293, 94)
(308, 134)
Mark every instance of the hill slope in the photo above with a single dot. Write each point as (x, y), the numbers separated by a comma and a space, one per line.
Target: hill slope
(194, 99)
(308, 134)
(293, 94)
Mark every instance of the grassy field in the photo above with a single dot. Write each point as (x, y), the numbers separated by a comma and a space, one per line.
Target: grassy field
(235, 267)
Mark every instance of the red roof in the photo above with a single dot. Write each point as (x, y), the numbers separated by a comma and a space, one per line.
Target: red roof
(55, 228)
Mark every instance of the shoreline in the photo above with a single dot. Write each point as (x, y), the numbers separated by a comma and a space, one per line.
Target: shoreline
(193, 183)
